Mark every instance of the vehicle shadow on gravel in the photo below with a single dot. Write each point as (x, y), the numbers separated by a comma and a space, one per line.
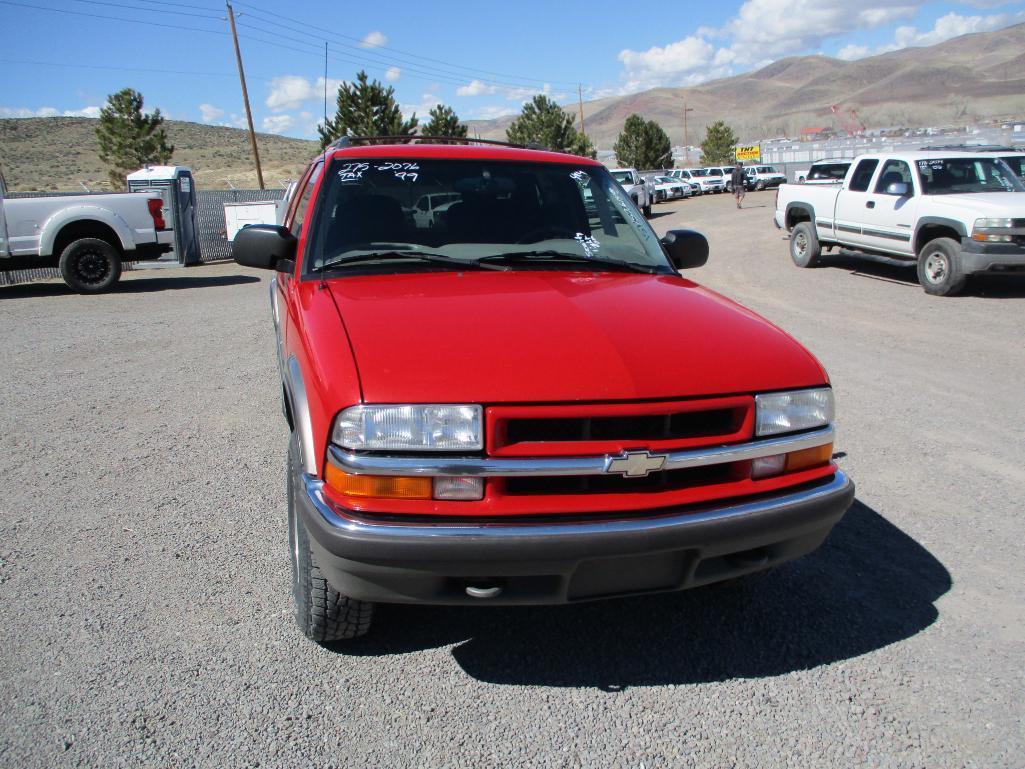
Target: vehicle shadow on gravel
(130, 285)
(1007, 286)
(868, 586)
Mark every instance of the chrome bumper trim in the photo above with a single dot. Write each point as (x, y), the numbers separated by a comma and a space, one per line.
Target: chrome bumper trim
(839, 484)
(370, 464)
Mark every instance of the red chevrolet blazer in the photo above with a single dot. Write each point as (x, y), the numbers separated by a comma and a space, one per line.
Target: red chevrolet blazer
(500, 390)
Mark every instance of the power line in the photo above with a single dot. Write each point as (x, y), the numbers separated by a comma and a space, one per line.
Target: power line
(112, 18)
(460, 69)
(212, 17)
(119, 69)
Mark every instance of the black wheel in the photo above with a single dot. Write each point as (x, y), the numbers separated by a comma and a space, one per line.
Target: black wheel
(939, 267)
(647, 211)
(90, 265)
(804, 245)
(760, 186)
(323, 614)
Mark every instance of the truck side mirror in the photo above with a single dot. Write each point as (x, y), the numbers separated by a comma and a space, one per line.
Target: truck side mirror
(685, 248)
(264, 246)
(897, 188)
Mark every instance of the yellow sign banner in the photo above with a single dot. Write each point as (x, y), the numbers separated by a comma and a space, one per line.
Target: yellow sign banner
(752, 154)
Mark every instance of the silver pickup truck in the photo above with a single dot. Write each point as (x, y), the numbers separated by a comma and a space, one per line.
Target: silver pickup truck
(87, 237)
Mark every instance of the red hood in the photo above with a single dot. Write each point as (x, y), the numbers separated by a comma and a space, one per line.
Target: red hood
(536, 336)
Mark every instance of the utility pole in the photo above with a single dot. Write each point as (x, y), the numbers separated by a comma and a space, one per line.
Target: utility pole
(686, 135)
(245, 96)
(580, 96)
(325, 85)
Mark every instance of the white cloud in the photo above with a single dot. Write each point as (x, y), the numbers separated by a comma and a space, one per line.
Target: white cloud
(374, 39)
(392, 74)
(210, 113)
(759, 32)
(491, 113)
(428, 100)
(476, 88)
(852, 52)
(92, 112)
(290, 91)
(952, 25)
(277, 124)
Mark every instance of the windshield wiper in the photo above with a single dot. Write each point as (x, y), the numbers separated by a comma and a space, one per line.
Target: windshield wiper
(550, 256)
(424, 256)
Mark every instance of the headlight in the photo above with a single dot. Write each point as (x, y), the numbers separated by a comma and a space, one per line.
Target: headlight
(993, 231)
(790, 412)
(410, 428)
(989, 224)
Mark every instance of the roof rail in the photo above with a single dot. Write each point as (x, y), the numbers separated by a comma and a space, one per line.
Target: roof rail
(968, 148)
(348, 141)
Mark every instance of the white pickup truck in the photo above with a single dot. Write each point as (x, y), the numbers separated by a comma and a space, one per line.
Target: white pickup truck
(953, 214)
(640, 190)
(87, 237)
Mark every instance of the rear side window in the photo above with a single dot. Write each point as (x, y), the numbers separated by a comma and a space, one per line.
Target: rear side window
(863, 175)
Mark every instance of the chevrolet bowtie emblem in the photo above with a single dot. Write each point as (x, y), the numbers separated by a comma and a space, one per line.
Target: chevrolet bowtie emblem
(635, 464)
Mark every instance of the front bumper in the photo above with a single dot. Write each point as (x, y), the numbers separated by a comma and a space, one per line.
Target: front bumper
(565, 561)
(985, 257)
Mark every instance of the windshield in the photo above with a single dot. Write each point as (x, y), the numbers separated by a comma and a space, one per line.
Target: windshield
(699, 172)
(953, 176)
(478, 209)
(715, 172)
(622, 176)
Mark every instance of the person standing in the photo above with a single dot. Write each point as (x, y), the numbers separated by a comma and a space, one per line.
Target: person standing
(737, 182)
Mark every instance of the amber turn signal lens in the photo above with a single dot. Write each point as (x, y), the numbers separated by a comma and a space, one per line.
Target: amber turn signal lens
(381, 486)
(806, 458)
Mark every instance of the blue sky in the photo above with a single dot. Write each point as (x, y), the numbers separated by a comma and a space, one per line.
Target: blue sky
(484, 59)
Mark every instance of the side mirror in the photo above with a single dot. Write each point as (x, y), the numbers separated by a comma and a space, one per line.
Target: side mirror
(898, 188)
(685, 248)
(264, 246)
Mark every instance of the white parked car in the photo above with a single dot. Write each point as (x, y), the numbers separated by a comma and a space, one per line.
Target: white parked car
(952, 214)
(636, 187)
(709, 181)
(684, 175)
(763, 177)
(672, 189)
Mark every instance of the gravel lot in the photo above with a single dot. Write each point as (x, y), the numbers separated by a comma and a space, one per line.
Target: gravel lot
(145, 586)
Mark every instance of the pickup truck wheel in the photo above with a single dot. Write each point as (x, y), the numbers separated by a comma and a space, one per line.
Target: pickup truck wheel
(647, 211)
(760, 186)
(804, 245)
(90, 265)
(939, 267)
(323, 614)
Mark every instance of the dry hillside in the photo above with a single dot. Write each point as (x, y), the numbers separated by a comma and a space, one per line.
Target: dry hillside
(967, 78)
(56, 153)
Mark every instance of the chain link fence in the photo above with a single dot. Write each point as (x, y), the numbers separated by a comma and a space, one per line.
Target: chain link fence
(214, 245)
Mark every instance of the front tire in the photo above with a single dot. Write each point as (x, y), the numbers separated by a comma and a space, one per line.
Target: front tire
(647, 211)
(322, 613)
(90, 265)
(939, 267)
(759, 186)
(805, 248)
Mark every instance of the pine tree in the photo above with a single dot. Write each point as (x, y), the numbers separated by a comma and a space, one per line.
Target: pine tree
(443, 122)
(366, 109)
(642, 144)
(544, 122)
(719, 146)
(128, 138)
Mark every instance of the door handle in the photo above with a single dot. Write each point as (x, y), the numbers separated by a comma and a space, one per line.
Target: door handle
(870, 204)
